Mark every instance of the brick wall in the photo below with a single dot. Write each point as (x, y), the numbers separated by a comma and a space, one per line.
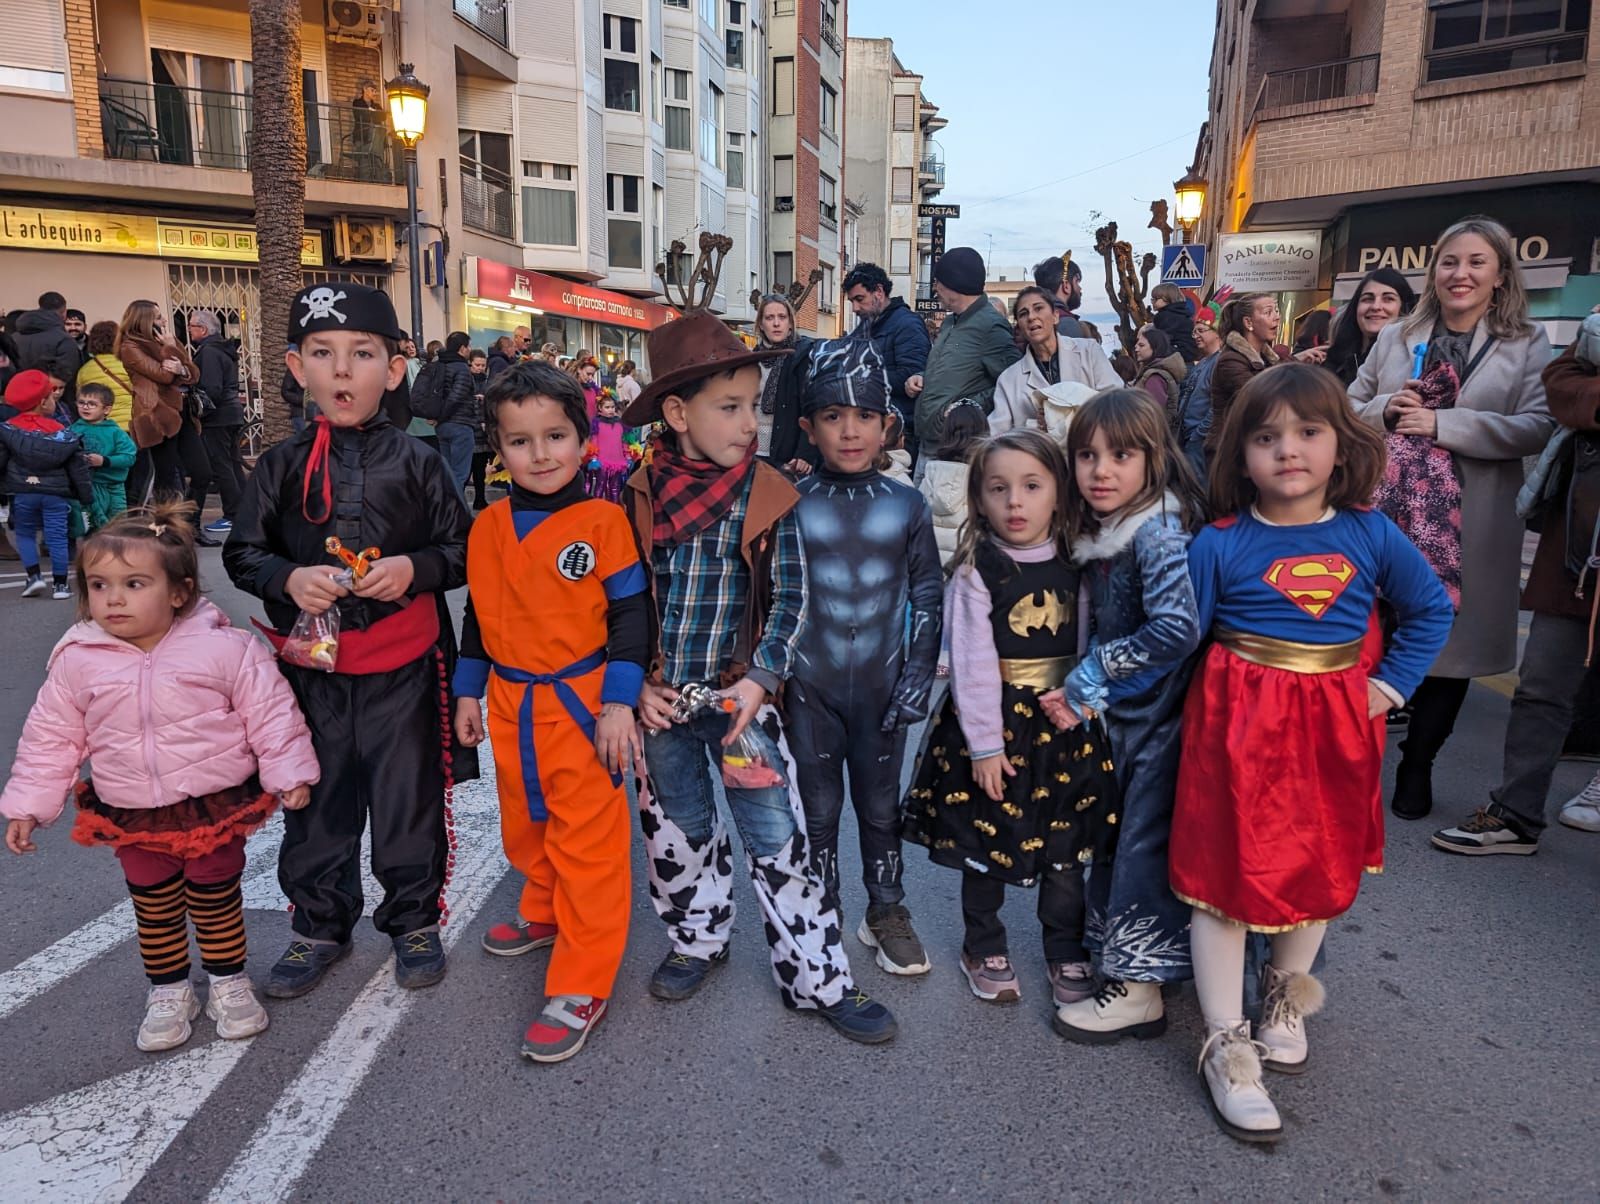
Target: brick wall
(807, 127)
(348, 65)
(85, 77)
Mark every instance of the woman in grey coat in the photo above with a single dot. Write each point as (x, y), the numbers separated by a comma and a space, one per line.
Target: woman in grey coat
(1473, 315)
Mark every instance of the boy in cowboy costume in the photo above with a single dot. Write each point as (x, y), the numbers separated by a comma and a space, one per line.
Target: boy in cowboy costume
(728, 576)
(380, 719)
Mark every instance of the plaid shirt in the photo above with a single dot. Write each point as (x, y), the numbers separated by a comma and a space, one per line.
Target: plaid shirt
(701, 587)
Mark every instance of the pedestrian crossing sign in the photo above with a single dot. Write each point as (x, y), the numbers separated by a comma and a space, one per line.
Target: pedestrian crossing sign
(1183, 265)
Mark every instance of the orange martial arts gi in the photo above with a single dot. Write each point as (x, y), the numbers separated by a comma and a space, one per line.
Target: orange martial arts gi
(542, 584)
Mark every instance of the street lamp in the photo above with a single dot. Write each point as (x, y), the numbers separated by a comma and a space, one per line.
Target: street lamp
(408, 113)
(1191, 192)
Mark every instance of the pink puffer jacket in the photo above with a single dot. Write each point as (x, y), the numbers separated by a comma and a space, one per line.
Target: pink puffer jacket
(201, 711)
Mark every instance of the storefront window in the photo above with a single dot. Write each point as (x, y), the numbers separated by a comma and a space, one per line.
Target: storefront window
(618, 343)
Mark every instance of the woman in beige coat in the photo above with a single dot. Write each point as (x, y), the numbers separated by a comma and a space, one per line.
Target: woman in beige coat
(1473, 314)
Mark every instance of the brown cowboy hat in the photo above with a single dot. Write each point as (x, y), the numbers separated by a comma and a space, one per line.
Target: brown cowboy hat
(685, 349)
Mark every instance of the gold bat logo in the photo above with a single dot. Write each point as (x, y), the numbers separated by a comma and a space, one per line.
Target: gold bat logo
(1050, 614)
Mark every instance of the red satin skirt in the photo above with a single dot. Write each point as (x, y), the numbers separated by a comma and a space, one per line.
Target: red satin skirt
(1279, 807)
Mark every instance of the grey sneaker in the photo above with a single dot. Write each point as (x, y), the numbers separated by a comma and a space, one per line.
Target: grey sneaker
(1483, 833)
(168, 1015)
(235, 1008)
(1071, 982)
(887, 928)
(37, 587)
(991, 978)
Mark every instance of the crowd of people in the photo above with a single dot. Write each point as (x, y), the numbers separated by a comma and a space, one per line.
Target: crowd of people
(1157, 630)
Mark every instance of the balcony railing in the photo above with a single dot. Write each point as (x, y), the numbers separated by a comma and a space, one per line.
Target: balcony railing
(830, 34)
(488, 17)
(197, 127)
(1324, 81)
(932, 170)
(487, 200)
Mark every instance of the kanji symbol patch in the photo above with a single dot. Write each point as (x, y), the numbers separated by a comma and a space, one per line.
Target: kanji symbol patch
(575, 561)
(1313, 583)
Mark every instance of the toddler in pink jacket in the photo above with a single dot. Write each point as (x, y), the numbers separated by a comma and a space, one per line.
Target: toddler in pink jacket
(193, 738)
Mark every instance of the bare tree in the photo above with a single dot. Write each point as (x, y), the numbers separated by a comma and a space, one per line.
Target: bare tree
(278, 179)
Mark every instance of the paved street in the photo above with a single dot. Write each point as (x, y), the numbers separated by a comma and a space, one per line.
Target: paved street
(1457, 1058)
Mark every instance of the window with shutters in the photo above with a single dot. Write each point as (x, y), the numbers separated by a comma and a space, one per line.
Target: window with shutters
(899, 255)
(621, 46)
(905, 112)
(827, 290)
(711, 119)
(902, 185)
(655, 89)
(33, 55)
(783, 184)
(735, 160)
(549, 204)
(828, 113)
(487, 198)
(624, 225)
(828, 201)
(680, 124)
(782, 87)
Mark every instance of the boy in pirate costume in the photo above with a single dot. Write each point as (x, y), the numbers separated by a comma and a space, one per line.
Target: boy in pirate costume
(729, 586)
(862, 670)
(380, 719)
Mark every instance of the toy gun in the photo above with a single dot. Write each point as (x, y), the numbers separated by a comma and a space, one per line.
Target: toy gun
(697, 699)
(356, 563)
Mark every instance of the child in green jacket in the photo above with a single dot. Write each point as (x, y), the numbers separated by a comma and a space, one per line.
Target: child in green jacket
(109, 451)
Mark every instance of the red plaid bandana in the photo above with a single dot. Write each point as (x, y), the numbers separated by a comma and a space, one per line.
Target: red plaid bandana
(691, 495)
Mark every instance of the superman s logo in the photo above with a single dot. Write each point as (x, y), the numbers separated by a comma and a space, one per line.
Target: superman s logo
(1313, 583)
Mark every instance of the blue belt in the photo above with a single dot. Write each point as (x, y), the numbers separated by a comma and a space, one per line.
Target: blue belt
(574, 707)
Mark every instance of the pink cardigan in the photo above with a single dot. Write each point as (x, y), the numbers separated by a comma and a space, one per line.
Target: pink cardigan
(200, 712)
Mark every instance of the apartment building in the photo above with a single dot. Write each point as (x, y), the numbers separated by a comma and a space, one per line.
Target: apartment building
(806, 143)
(893, 163)
(1364, 127)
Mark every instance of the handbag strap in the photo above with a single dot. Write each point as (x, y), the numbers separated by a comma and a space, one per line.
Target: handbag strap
(1477, 359)
(121, 378)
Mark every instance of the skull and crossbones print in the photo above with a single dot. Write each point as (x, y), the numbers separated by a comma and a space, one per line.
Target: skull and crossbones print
(319, 303)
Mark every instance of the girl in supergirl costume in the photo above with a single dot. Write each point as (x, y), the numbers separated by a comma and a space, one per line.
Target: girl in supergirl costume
(1278, 810)
(381, 718)
(194, 738)
(557, 630)
(1139, 504)
(1001, 793)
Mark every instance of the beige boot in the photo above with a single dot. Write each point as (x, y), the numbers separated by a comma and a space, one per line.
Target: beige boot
(1287, 999)
(1116, 1010)
(1230, 1067)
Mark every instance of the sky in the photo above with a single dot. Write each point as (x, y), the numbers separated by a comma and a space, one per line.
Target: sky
(1079, 106)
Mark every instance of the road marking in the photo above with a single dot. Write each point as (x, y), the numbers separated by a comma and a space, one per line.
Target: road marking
(301, 1119)
(97, 1142)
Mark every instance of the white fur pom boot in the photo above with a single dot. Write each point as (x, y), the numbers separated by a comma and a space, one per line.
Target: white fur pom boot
(1287, 999)
(1230, 1067)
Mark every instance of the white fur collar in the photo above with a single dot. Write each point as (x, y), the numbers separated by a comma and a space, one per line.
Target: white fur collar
(1117, 535)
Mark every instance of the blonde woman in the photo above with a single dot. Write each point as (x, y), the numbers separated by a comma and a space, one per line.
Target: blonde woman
(159, 371)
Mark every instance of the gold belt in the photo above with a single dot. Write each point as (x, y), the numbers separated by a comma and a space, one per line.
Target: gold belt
(1287, 654)
(1038, 673)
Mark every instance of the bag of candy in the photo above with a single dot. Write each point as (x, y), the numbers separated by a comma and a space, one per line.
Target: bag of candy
(313, 641)
(745, 764)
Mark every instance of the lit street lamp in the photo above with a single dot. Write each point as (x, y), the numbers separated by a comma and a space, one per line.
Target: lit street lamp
(408, 113)
(1191, 193)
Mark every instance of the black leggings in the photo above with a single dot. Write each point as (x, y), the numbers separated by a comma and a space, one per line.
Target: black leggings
(176, 461)
(1061, 912)
(1434, 708)
(480, 466)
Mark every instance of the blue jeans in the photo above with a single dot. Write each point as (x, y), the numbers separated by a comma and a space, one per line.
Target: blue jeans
(680, 772)
(455, 445)
(35, 512)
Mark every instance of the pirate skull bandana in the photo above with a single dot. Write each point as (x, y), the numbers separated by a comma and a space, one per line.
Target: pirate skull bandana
(342, 305)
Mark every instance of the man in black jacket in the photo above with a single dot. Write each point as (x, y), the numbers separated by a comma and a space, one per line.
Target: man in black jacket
(43, 342)
(222, 423)
(897, 334)
(455, 405)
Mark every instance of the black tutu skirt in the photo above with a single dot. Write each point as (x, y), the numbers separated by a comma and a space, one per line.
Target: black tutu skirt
(1060, 810)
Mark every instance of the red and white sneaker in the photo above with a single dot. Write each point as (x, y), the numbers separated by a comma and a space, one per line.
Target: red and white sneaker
(518, 937)
(562, 1028)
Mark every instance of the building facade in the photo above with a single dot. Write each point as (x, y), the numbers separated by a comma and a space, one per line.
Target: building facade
(1370, 125)
(894, 164)
(806, 149)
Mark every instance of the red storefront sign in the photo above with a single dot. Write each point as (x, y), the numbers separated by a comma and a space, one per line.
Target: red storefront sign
(534, 290)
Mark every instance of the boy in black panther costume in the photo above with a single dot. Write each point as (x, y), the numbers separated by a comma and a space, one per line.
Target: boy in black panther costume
(865, 660)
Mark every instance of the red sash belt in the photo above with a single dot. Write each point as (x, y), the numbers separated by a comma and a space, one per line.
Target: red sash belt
(387, 645)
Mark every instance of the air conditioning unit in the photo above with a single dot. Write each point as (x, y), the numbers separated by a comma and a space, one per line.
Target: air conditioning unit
(358, 21)
(363, 239)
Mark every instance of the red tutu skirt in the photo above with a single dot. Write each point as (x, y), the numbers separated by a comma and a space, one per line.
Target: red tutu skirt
(1279, 806)
(189, 828)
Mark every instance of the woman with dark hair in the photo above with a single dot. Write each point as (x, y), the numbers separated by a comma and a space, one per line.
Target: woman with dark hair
(1161, 371)
(628, 386)
(779, 439)
(1049, 358)
(1479, 399)
(1382, 296)
(1311, 334)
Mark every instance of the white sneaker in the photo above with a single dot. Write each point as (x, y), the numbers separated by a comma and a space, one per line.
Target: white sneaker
(233, 1005)
(1230, 1067)
(1287, 999)
(38, 587)
(61, 591)
(1116, 1010)
(168, 1011)
(1582, 810)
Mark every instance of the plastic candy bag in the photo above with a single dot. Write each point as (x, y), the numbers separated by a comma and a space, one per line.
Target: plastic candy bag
(745, 764)
(313, 641)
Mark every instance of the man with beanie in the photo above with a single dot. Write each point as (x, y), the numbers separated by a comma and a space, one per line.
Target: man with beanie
(973, 348)
(43, 469)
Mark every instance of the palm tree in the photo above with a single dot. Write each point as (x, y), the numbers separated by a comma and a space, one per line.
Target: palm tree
(278, 179)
